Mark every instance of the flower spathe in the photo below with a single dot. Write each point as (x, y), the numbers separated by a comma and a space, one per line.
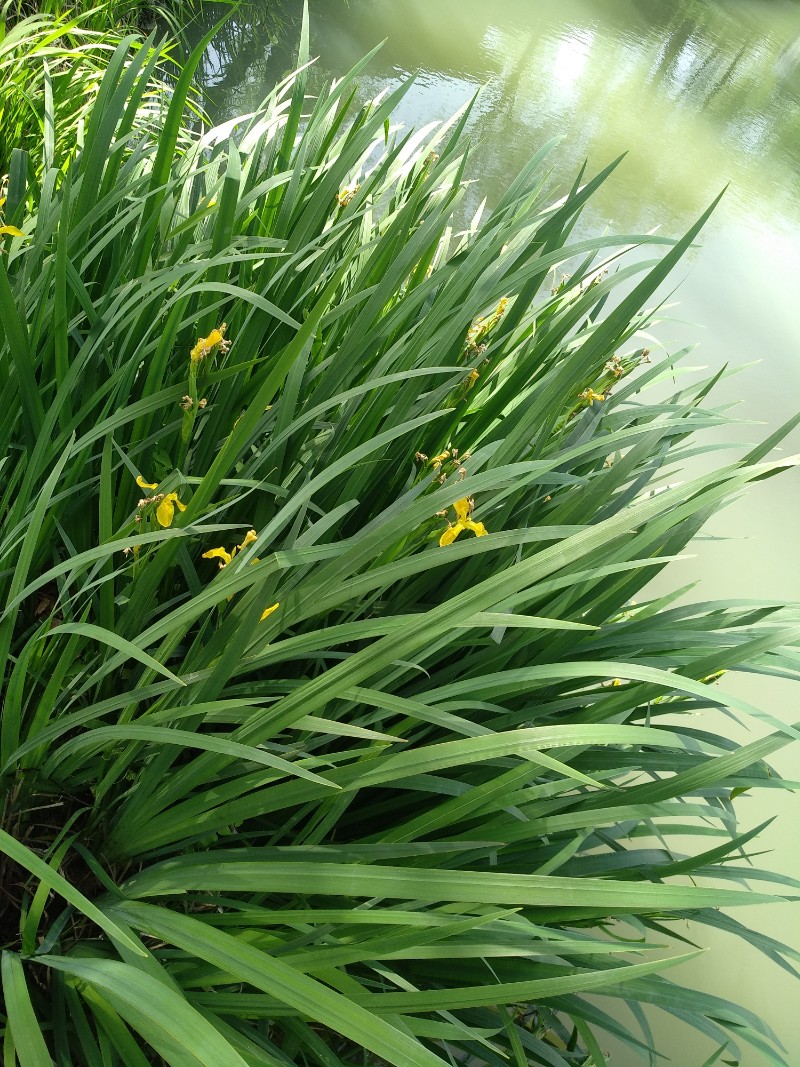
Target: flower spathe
(463, 510)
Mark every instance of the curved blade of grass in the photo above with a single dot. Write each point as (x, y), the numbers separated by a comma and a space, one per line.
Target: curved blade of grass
(229, 874)
(100, 736)
(29, 861)
(113, 640)
(163, 1017)
(29, 1043)
(309, 997)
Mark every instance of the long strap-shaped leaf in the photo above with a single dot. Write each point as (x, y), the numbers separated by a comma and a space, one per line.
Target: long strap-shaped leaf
(163, 1017)
(22, 855)
(28, 1040)
(226, 872)
(306, 995)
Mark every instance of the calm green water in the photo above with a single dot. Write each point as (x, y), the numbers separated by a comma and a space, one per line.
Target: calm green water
(699, 94)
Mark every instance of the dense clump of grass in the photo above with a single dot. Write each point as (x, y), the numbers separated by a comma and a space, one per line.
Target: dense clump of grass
(108, 16)
(52, 63)
(330, 728)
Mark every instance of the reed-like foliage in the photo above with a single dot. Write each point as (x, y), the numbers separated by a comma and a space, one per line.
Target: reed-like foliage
(110, 16)
(52, 63)
(304, 760)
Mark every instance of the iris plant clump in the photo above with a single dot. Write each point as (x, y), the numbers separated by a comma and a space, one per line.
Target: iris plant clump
(354, 739)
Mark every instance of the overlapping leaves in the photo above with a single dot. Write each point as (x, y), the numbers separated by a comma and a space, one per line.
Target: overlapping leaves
(356, 789)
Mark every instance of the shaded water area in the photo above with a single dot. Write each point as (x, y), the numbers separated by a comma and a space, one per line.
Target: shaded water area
(699, 94)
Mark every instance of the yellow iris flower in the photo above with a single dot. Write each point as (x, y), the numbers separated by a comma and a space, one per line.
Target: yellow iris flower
(167, 502)
(12, 230)
(206, 346)
(463, 511)
(225, 555)
(165, 512)
(219, 553)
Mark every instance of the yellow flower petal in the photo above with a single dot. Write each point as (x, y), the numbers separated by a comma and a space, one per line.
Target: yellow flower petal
(477, 528)
(249, 537)
(269, 611)
(218, 553)
(165, 512)
(12, 230)
(462, 509)
(450, 534)
(199, 351)
(145, 485)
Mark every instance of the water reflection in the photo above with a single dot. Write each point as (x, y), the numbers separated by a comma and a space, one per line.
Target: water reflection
(701, 93)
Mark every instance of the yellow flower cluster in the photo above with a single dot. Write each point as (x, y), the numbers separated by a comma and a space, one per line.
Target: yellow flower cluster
(463, 509)
(345, 195)
(207, 346)
(167, 502)
(589, 395)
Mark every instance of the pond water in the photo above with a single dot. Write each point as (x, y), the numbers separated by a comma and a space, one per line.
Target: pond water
(700, 94)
